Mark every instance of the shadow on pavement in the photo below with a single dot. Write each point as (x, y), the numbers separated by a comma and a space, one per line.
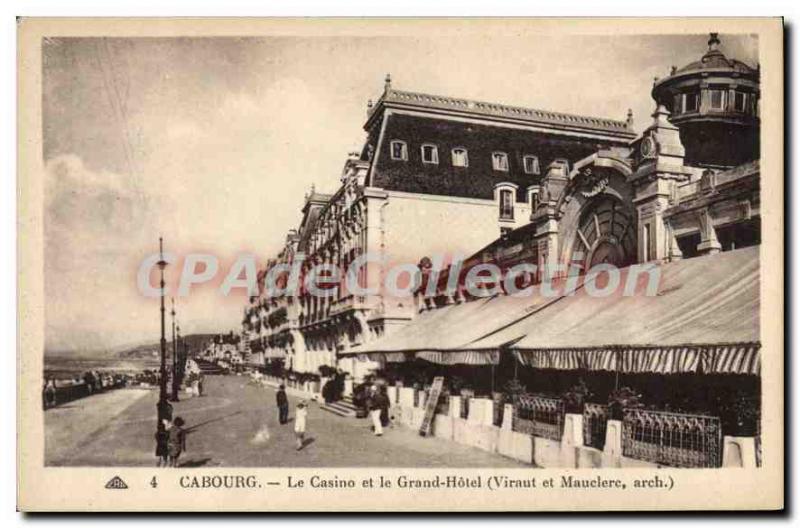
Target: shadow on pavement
(195, 463)
(306, 442)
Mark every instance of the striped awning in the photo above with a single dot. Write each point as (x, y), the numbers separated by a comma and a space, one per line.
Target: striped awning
(737, 358)
(703, 317)
(470, 357)
(743, 358)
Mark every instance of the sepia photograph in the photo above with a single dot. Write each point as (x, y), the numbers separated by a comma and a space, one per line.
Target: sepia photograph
(486, 251)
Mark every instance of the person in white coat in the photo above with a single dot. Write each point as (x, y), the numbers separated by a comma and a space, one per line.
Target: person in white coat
(300, 415)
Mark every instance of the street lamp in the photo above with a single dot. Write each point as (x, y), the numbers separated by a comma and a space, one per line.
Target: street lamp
(164, 409)
(174, 356)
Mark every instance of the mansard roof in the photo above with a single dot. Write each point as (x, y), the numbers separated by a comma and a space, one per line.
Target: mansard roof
(496, 111)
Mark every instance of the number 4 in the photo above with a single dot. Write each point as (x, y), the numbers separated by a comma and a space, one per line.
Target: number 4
(154, 482)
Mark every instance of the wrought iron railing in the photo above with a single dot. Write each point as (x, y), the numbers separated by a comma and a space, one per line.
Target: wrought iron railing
(595, 416)
(539, 416)
(672, 439)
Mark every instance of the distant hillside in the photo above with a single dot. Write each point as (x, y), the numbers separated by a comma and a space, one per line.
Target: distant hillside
(194, 343)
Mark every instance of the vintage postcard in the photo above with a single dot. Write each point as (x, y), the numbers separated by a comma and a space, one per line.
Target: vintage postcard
(400, 265)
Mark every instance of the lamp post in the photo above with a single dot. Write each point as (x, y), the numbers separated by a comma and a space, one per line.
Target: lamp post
(164, 409)
(174, 356)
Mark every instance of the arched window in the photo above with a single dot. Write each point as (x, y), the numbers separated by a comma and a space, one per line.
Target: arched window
(505, 194)
(460, 158)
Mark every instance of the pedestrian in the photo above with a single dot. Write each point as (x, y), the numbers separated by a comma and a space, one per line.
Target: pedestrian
(283, 404)
(50, 393)
(162, 443)
(200, 381)
(374, 409)
(300, 415)
(177, 441)
(384, 405)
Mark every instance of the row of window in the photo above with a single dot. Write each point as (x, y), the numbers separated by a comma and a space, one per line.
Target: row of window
(718, 99)
(460, 158)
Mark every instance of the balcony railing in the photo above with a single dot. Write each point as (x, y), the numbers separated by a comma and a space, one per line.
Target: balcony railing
(595, 416)
(539, 416)
(672, 439)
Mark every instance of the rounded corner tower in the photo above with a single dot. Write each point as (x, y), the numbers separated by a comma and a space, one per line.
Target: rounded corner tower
(714, 102)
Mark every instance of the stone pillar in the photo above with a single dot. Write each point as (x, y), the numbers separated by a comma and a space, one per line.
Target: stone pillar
(612, 451)
(508, 417)
(658, 156)
(709, 244)
(739, 452)
(571, 440)
(546, 234)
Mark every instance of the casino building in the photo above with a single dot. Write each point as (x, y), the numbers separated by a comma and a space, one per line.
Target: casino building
(682, 197)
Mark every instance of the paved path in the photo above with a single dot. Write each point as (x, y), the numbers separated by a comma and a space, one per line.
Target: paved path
(222, 428)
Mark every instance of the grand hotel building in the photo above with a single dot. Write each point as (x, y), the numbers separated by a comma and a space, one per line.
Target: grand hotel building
(508, 184)
(436, 175)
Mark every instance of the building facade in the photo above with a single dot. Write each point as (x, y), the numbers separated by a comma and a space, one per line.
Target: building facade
(436, 176)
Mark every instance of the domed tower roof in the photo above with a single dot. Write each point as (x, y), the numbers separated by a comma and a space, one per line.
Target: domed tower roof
(714, 59)
(714, 102)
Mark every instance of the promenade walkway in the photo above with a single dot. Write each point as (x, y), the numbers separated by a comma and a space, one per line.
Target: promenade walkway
(116, 429)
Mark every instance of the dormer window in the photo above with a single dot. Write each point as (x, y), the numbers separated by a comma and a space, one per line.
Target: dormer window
(500, 161)
(430, 154)
(460, 158)
(399, 150)
(531, 164)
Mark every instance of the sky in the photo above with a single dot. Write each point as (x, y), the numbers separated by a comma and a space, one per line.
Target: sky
(212, 143)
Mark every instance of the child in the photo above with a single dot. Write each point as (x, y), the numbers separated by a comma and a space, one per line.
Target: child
(177, 441)
(300, 423)
(162, 443)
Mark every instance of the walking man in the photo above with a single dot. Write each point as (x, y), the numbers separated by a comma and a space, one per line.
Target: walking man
(283, 405)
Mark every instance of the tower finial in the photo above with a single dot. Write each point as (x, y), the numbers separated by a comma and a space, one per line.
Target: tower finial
(629, 120)
(713, 41)
(387, 83)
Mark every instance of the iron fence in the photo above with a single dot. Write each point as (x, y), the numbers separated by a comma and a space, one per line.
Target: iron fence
(595, 417)
(672, 439)
(539, 416)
